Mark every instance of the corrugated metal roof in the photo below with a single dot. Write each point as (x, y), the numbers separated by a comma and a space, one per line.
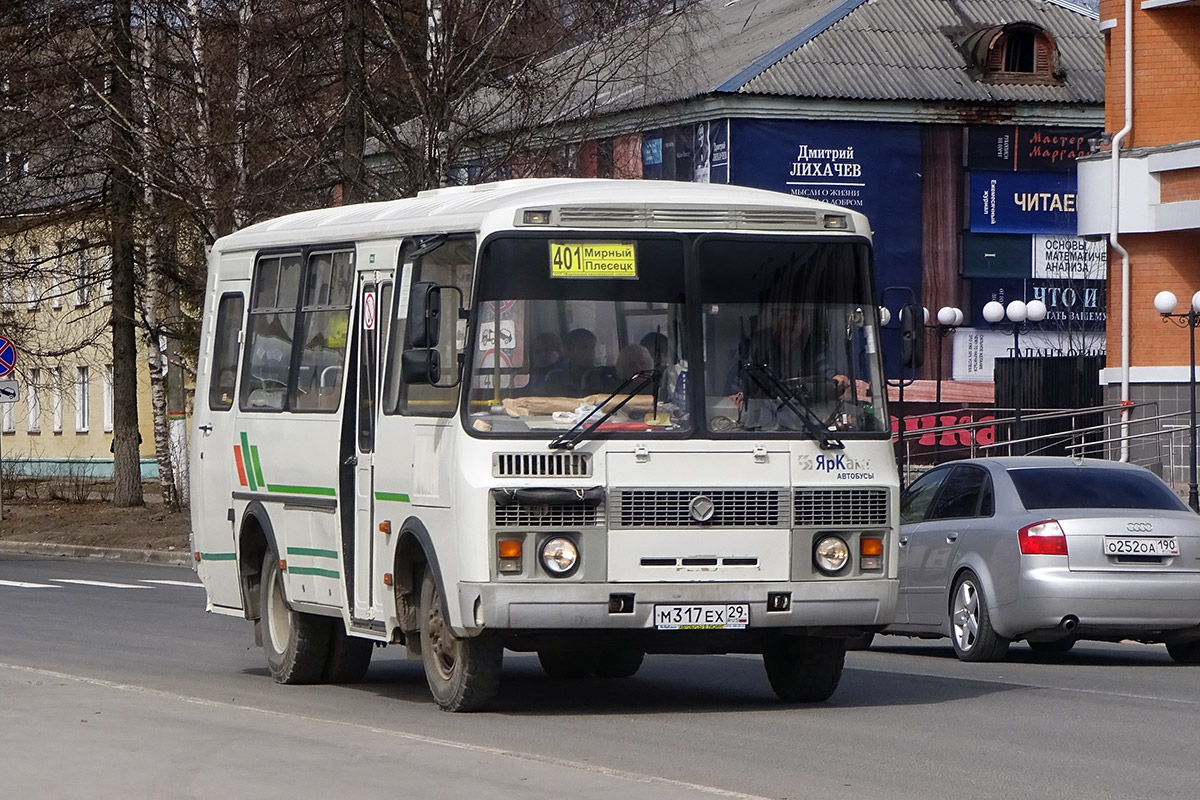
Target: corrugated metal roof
(905, 50)
(885, 50)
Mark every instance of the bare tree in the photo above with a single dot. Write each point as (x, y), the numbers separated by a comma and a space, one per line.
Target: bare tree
(482, 83)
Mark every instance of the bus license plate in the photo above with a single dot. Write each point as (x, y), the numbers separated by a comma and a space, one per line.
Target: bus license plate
(702, 617)
(1140, 546)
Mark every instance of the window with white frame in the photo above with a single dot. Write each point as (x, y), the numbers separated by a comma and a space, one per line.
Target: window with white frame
(9, 416)
(55, 282)
(33, 402)
(82, 275)
(33, 283)
(82, 403)
(107, 400)
(56, 400)
(7, 293)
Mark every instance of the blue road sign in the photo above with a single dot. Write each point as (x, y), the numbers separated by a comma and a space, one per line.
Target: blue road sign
(8, 356)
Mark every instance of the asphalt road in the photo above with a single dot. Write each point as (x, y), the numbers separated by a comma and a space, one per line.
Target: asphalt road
(114, 682)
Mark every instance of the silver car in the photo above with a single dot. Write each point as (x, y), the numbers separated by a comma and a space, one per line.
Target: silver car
(1049, 550)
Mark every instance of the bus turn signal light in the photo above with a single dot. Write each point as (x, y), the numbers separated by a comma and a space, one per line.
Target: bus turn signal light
(509, 555)
(870, 553)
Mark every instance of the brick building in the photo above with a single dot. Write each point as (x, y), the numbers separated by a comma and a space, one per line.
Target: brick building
(1152, 55)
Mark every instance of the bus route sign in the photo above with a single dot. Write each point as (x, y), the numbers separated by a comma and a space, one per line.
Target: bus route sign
(8, 356)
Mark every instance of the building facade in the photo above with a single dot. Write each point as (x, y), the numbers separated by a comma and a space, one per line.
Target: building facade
(1152, 56)
(55, 309)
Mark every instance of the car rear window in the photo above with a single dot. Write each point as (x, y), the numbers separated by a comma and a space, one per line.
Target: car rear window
(1080, 487)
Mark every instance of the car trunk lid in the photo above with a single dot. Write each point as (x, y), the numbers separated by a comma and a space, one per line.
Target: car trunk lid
(1153, 542)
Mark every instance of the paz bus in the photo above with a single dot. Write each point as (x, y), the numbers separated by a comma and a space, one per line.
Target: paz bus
(530, 416)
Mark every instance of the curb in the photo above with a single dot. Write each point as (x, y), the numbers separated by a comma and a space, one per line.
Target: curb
(55, 550)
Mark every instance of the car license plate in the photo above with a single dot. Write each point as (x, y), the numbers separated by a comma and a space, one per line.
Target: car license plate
(702, 617)
(1140, 546)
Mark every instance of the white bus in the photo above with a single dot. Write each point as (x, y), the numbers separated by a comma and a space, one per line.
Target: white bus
(589, 419)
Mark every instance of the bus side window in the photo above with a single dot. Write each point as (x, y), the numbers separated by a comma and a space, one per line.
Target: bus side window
(451, 264)
(270, 329)
(223, 365)
(324, 325)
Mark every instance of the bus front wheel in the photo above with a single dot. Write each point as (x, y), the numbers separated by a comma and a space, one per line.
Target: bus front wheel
(296, 644)
(463, 674)
(804, 669)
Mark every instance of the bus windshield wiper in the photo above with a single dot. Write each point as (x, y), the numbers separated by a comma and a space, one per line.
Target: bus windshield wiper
(629, 387)
(777, 389)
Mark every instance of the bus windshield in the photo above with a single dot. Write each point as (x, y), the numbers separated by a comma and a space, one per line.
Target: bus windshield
(789, 332)
(564, 323)
(786, 344)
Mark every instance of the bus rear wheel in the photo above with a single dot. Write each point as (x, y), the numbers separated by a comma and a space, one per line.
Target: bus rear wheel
(296, 644)
(804, 669)
(463, 674)
(349, 656)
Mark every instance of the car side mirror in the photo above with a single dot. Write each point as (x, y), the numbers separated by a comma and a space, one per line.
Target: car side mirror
(424, 314)
(421, 366)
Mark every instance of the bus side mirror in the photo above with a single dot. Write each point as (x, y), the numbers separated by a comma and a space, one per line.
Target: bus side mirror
(421, 366)
(912, 335)
(425, 314)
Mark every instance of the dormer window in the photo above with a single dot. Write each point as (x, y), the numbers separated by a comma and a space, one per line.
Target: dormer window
(1020, 52)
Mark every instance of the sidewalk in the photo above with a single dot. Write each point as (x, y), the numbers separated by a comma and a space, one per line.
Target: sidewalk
(64, 550)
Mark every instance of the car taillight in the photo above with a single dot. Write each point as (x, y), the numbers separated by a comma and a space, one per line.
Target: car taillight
(1045, 538)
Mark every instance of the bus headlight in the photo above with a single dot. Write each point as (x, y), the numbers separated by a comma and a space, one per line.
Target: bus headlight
(831, 554)
(560, 556)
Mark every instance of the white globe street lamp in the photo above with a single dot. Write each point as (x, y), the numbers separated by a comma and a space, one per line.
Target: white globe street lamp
(1165, 304)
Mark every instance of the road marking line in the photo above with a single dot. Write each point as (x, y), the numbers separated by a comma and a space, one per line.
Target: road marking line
(108, 584)
(583, 766)
(27, 585)
(173, 583)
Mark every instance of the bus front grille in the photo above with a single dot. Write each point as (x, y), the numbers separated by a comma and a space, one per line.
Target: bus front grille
(523, 515)
(685, 508)
(538, 465)
(841, 508)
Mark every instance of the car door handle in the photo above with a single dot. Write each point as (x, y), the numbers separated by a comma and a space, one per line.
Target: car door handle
(951, 538)
(206, 428)
(903, 541)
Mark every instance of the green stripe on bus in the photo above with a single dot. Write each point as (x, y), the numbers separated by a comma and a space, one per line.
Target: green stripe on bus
(395, 497)
(257, 467)
(284, 488)
(218, 556)
(321, 573)
(311, 551)
(246, 462)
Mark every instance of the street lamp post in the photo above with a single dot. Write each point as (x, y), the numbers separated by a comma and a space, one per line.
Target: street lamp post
(948, 320)
(1015, 319)
(1165, 303)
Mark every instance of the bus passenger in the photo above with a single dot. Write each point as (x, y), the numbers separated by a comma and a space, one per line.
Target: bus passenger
(545, 356)
(566, 380)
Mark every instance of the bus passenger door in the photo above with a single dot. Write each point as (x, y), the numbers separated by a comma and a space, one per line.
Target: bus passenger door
(374, 303)
(216, 454)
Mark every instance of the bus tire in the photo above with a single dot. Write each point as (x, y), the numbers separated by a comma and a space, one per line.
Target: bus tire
(619, 663)
(296, 644)
(349, 656)
(568, 664)
(804, 669)
(463, 674)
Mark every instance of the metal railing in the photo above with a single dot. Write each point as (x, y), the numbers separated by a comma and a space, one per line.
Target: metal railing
(1156, 441)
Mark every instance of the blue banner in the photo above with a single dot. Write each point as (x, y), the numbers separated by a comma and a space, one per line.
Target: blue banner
(869, 167)
(1023, 202)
